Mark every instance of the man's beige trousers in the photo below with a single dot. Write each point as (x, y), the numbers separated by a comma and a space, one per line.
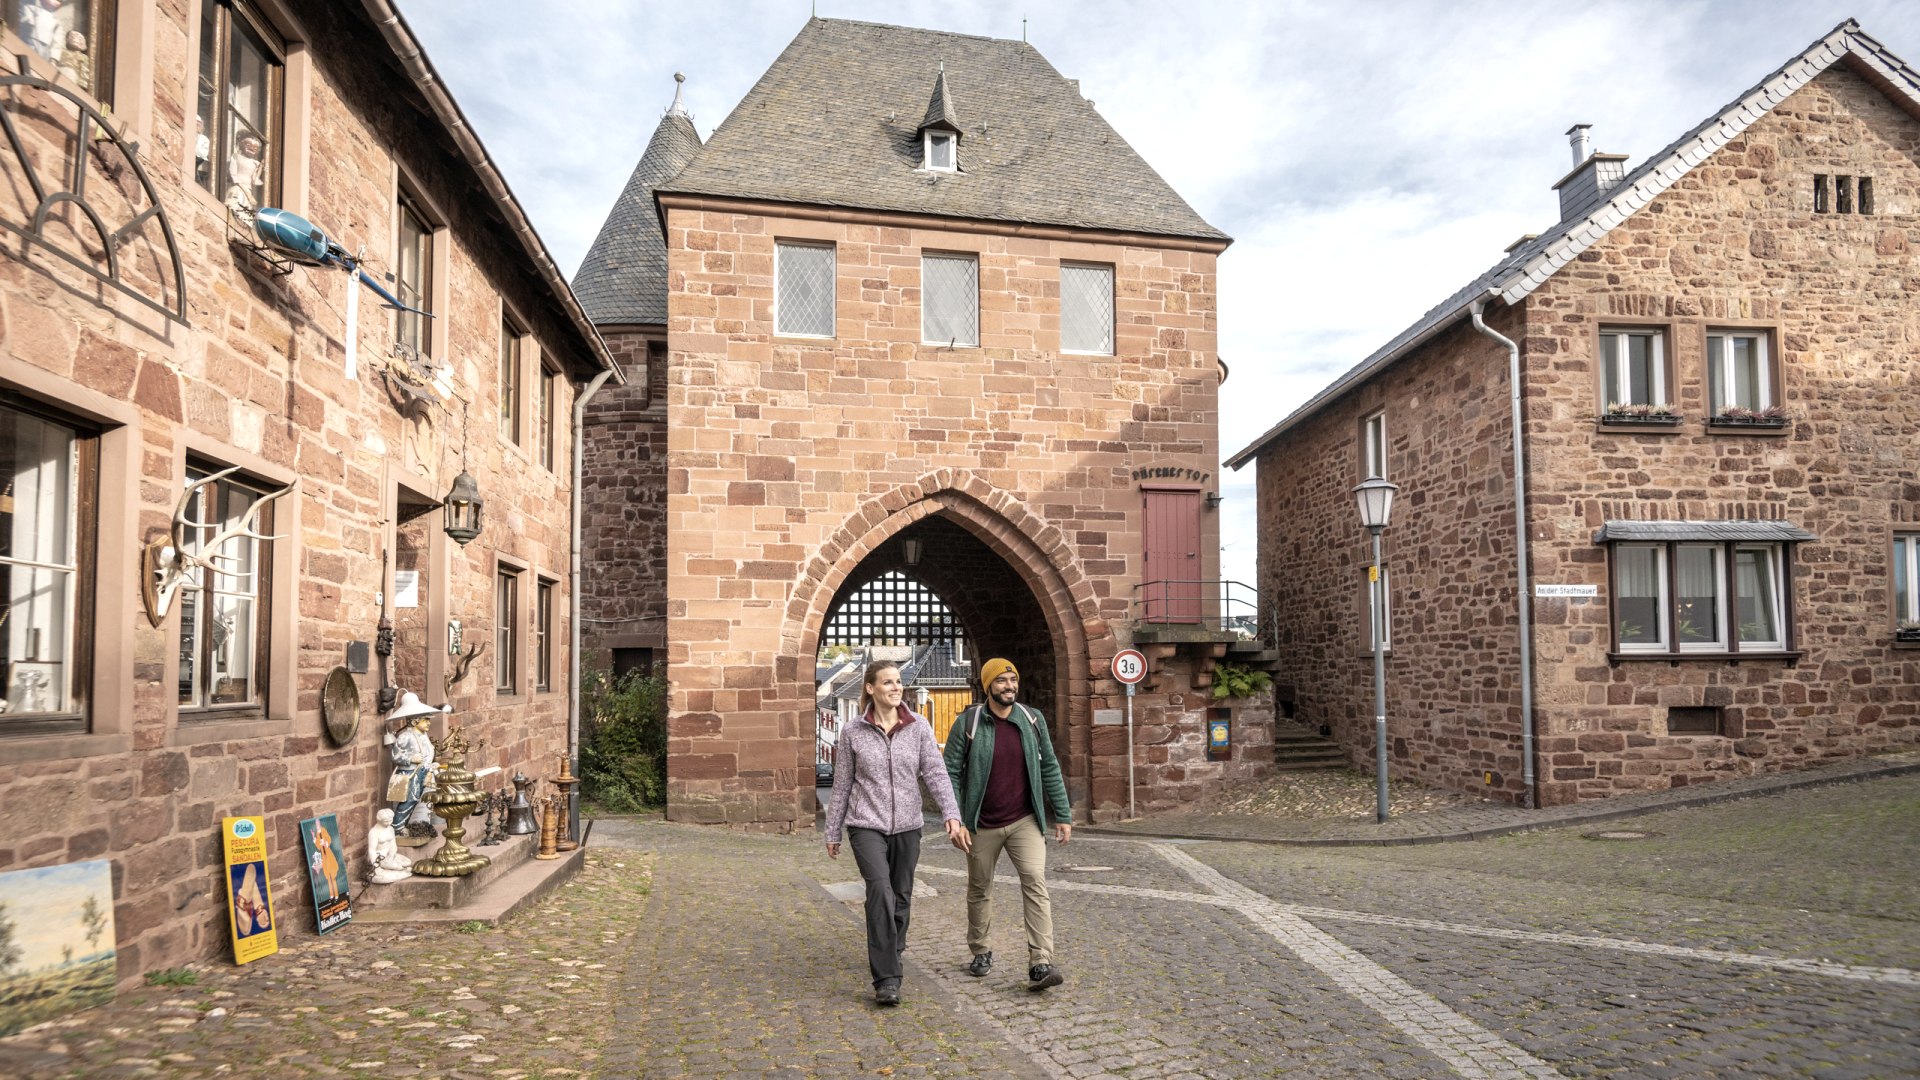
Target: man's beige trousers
(1027, 848)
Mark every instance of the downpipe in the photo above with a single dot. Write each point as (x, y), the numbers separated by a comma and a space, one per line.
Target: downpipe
(573, 587)
(1521, 544)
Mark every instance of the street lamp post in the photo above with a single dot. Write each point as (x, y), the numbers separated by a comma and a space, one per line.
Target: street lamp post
(1375, 499)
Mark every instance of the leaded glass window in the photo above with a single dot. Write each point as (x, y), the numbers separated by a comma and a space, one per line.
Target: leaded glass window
(1086, 309)
(950, 300)
(803, 290)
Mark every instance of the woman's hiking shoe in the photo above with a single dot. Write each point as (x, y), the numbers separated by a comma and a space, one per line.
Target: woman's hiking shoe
(982, 963)
(1041, 976)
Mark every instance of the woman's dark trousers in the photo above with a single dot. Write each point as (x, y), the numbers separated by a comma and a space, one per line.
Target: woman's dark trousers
(886, 863)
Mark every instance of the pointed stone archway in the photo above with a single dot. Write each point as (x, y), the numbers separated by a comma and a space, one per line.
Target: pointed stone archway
(988, 549)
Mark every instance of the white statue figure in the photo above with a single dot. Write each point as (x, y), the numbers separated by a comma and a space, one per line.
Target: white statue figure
(389, 865)
(412, 775)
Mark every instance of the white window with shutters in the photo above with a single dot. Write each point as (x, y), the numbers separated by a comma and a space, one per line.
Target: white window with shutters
(803, 290)
(1086, 309)
(950, 300)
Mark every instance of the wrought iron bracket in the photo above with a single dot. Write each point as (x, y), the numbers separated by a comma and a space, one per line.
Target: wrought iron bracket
(86, 127)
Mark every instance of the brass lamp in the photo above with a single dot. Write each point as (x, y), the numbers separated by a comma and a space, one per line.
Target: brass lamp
(463, 504)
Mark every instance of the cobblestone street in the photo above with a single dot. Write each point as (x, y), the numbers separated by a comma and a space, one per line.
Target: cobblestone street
(1774, 936)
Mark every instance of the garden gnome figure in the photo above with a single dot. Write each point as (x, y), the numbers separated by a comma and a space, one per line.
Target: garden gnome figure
(412, 775)
(389, 864)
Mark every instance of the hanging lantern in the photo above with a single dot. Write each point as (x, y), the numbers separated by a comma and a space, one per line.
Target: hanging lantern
(463, 504)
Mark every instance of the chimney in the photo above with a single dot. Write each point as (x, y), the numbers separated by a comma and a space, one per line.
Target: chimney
(1594, 174)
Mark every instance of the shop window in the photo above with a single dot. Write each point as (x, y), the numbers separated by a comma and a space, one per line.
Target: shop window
(224, 622)
(75, 37)
(49, 468)
(242, 77)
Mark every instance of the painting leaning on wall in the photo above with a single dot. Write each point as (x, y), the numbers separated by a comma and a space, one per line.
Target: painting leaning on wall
(56, 942)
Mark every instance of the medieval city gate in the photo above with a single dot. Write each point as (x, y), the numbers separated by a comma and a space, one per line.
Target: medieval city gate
(947, 567)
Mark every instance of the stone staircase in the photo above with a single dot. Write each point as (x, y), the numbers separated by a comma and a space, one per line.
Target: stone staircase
(1298, 748)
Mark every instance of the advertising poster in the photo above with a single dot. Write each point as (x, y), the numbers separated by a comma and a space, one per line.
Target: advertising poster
(249, 903)
(326, 872)
(56, 942)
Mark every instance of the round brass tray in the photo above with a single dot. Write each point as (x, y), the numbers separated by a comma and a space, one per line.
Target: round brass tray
(340, 705)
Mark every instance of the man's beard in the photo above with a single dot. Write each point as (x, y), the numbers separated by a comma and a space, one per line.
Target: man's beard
(1006, 697)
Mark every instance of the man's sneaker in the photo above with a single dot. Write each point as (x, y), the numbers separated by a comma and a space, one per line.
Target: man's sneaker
(982, 963)
(887, 992)
(1041, 976)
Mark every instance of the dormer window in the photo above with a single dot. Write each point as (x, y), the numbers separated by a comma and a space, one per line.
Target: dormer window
(940, 151)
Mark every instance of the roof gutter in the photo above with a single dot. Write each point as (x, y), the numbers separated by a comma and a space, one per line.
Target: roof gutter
(413, 59)
(1520, 533)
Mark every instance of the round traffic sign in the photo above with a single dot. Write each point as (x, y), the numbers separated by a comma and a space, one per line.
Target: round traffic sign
(1129, 666)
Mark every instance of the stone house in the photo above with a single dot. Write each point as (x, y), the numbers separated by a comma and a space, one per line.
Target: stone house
(926, 316)
(150, 343)
(1716, 409)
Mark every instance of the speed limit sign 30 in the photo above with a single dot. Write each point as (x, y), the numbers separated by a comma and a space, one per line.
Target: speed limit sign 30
(1129, 666)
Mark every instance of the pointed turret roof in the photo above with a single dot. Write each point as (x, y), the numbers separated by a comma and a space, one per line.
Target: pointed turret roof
(940, 109)
(623, 279)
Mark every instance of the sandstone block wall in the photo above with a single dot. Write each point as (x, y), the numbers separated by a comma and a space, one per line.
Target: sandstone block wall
(624, 504)
(255, 378)
(791, 460)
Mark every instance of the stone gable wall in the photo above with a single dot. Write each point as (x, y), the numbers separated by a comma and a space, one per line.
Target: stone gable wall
(1734, 243)
(781, 449)
(623, 542)
(256, 376)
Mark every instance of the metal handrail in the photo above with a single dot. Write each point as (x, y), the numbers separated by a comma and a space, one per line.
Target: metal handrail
(1216, 602)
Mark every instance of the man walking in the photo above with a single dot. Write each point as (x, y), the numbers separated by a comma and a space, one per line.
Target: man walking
(1001, 760)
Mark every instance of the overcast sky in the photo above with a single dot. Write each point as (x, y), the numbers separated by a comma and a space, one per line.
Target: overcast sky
(1369, 158)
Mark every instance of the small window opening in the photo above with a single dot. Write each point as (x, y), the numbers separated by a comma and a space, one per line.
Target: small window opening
(1866, 194)
(940, 151)
(1693, 720)
(1843, 194)
(1819, 193)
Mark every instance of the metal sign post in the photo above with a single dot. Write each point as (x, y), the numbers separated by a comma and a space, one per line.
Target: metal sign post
(1129, 667)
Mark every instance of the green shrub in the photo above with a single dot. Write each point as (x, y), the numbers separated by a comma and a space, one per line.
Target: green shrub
(623, 741)
(1237, 681)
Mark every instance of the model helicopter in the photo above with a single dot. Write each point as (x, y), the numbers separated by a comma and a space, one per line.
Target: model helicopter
(300, 241)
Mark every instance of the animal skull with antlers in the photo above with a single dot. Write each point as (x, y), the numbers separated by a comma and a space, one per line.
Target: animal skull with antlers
(166, 564)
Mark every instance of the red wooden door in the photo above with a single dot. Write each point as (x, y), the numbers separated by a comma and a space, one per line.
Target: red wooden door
(1170, 584)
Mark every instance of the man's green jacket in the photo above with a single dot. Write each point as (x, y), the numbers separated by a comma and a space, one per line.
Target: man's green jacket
(969, 760)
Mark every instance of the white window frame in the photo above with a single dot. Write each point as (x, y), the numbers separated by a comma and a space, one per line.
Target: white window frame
(1727, 639)
(1905, 557)
(1720, 369)
(1715, 640)
(1373, 448)
(1663, 600)
(931, 256)
(780, 247)
(1621, 392)
(1775, 555)
(1106, 348)
(1385, 610)
(952, 142)
(252, 586)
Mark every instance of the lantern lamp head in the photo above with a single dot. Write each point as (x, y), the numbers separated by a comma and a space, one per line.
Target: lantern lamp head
(910, 550)
(463, 505)
(1375, 499)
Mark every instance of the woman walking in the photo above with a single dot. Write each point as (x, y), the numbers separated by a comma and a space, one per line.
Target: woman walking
(879, 764)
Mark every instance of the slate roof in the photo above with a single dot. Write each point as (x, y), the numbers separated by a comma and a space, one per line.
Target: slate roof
(1661, 531)
(1528, 265)
(623, 279)
(933, 665)
(835, 122)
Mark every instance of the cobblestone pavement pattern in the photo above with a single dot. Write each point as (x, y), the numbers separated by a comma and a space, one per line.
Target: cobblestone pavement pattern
(1775, 936)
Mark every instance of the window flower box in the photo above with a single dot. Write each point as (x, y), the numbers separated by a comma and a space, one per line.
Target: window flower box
(1771, 417)
(1657, 413)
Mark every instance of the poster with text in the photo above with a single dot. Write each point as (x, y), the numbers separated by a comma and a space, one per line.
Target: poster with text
(57, 951)
(326, 872)
(249, 900)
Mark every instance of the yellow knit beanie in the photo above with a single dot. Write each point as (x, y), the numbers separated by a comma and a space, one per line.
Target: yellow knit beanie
(995, 668)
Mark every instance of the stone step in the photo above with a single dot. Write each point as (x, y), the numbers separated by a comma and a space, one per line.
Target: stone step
(505, 895)
(423, 893)
(1291, 765)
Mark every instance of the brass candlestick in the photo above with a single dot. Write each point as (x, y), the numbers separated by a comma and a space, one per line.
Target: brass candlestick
(549, 830)
(565, 782)
(453, 798)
